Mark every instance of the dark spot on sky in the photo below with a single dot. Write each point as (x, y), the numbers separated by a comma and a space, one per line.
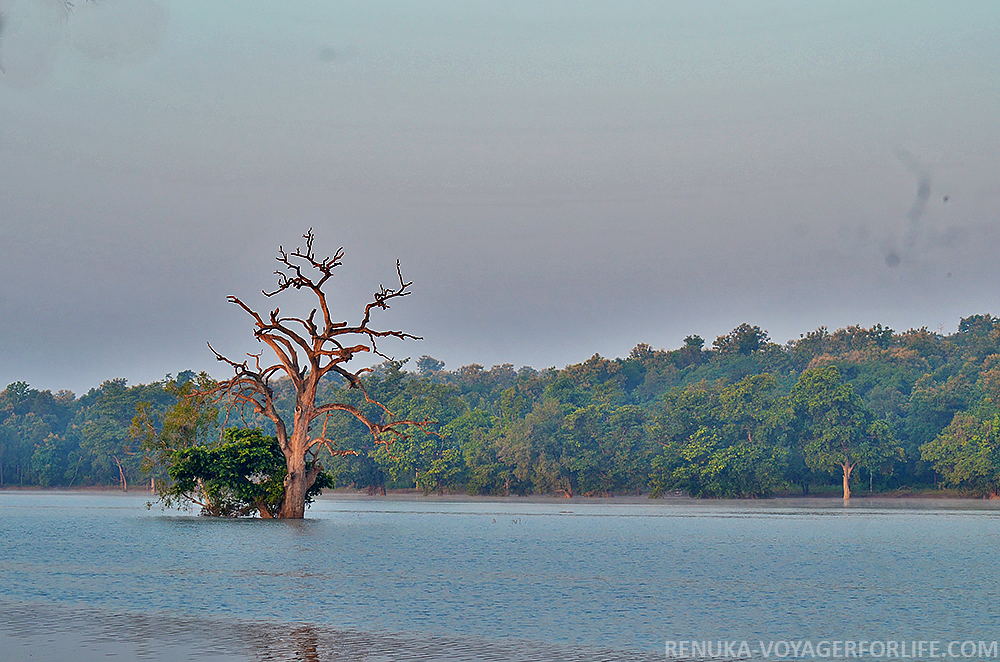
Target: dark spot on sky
(946, 198)
(923, 193)
(892, 260)
(923, 187)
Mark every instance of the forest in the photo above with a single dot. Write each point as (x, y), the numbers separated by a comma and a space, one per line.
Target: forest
(863, 410)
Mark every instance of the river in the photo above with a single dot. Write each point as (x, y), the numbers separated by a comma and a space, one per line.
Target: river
(402, 578)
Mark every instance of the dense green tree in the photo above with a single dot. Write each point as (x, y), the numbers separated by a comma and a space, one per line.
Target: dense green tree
(710, 465)
(978, 336)
(433, 462)
(723, 441)
(744, 339)
(692, 353)
(650, 373)
(935, 399)
(743, 352)
(583, 456)
(473, 432)
(160, 432)
(428, 365)
(533, 446)
(967, 454)
(49, 462)
(745, 418)
(105, 428)
(627, 448)
(28, 417)
(20, 436)
(837, 431)
(597, 380)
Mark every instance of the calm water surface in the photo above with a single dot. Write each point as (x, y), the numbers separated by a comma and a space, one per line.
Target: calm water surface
(623, 576)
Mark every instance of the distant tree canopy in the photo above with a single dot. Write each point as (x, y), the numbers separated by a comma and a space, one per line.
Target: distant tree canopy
(855, 408)
(61, 440)
(744, 339)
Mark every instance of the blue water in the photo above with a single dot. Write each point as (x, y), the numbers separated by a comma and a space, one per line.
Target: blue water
(625, 576)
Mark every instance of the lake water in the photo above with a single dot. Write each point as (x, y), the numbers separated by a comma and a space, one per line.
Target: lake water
(404, 579)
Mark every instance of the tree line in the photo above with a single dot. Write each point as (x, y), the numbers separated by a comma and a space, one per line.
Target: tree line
(856, 409)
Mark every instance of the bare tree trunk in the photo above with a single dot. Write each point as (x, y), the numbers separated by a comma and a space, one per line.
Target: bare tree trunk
(297, 479)
(75, 472)
(121, 474)
(848, 468)
(294, 504)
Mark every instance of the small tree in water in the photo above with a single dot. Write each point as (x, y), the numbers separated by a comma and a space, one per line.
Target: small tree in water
(305, 350)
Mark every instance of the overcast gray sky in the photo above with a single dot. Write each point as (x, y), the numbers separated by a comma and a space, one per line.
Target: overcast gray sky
(557, 178)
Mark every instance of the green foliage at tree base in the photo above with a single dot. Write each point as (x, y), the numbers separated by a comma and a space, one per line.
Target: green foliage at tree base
(241, 476)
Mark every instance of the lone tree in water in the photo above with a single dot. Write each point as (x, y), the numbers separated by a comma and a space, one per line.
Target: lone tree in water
(305, 350)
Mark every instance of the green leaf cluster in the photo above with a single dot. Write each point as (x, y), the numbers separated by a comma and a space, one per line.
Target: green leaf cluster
(241, 475)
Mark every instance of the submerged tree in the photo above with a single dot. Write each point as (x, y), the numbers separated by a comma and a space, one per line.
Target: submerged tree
(306, 349)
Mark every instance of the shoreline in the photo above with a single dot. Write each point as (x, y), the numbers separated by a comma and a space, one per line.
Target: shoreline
(921, 500)
(415, 494)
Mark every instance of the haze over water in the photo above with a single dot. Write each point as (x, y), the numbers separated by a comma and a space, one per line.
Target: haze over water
(577, 574)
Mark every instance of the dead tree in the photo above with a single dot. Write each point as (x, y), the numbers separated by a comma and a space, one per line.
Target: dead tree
(305, 350)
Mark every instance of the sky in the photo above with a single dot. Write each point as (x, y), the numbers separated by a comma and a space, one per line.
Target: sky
(557, 179)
